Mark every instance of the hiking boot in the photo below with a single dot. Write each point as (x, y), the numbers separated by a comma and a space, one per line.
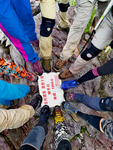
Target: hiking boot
(68, 96)
(46, 65)
(37, 68)
(33, 89)
(31, 77)
(59, 64)
(35, 43)
(58, 115)
(65, 30)
(71, 111)
(36, 101)
(69, 84)
(71, 96)
(45, 113)
(65, 74)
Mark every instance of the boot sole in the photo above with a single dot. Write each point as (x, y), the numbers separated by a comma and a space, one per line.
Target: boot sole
(61, 77)
(48, 71)
(56, 69)
(38, 73)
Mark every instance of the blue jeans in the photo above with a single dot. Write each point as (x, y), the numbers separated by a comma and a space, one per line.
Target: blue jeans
(10, 92)
(91, 102)
(36, 136)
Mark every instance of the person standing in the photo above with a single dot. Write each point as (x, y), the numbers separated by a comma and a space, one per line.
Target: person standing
(48, 10)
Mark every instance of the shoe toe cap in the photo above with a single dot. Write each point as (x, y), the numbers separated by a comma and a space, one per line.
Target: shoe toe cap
(64, 85)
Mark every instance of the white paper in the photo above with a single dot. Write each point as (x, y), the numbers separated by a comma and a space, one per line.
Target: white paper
(50, 89)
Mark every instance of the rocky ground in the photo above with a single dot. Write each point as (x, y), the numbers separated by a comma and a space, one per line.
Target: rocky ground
(81, 134)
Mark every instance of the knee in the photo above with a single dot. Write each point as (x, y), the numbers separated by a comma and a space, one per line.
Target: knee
(90, 52)
(63, 7)
(106, 104)
(47, 26)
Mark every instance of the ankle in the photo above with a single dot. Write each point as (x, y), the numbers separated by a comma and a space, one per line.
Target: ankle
(77, 82)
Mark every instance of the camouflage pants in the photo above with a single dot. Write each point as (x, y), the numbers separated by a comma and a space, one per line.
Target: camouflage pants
(11, 69)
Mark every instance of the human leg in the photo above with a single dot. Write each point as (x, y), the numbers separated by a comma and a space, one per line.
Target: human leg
(64, 22)
(9, 23)
(90, 52)
(91, 102)
(105, 69)
(103, 36)
(76, 115)
(104, 33)
(23, 11)
(9, 92)
(92, 74)
(37, 135)
(91, 119)
(101, 6)
(18, 38)
(11, 69)
(48, 9)
(83, 11)
(14, 118)
(60, 130)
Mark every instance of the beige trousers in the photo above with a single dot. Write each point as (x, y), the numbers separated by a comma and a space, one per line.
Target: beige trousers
(48, 9)
(83, 11)
(14, 118)
(102, 38)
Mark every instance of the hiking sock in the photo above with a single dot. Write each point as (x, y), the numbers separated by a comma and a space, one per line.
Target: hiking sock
(92, 74)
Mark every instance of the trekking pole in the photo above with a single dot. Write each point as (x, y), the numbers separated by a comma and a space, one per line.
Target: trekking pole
(99, 22)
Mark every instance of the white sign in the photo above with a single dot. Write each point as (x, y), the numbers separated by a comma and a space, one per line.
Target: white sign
(50, 89)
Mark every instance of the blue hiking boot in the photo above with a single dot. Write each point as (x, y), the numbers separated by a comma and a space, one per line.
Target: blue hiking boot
(69, 84)
(45, 113)
(70, 110)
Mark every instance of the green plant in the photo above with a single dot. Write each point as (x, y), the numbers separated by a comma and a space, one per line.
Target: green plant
(89, 23)
(73, 3)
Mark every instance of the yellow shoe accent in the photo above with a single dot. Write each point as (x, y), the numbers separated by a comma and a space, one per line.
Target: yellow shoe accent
(58, 118)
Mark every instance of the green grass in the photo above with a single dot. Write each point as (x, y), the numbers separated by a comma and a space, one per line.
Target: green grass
(73, 3)
(89, 23)
(83, 129)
